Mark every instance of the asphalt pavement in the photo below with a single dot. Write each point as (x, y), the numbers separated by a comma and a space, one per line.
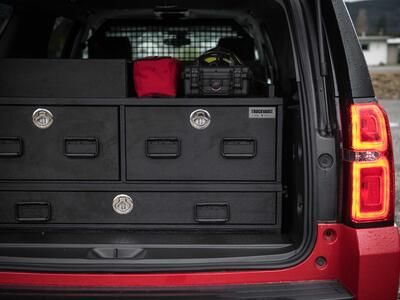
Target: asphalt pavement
(392, 107)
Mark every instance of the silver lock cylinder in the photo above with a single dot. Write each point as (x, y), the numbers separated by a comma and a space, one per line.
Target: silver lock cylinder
(42, 118)
(122, 204)
(200, 119)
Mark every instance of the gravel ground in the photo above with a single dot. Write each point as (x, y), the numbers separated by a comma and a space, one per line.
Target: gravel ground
(385, 69)
(392, 107)
(386, 81)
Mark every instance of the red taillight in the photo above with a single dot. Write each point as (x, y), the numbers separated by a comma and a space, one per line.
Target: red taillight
(368, 128)
(371, 191)
(370, 160)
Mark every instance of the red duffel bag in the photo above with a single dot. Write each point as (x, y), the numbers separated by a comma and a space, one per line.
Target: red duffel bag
(156, 76)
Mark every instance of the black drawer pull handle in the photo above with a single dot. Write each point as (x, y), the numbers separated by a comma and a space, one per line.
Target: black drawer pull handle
(163, 147)
(212, 213)
(10, 146)
(33, 211)
(81, 147)
(239, 148)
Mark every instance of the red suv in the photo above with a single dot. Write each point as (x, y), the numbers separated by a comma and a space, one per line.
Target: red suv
(267, 172)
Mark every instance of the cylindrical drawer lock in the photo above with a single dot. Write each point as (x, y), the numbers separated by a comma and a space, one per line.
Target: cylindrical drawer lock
(42, 118)
(200, 119)
(122, 204)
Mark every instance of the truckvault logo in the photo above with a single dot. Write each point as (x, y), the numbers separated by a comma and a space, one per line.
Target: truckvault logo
(262, 112)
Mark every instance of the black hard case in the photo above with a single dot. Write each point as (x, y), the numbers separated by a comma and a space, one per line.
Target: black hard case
(200, 81)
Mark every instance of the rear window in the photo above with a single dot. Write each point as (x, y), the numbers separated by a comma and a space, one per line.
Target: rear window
(185, 41)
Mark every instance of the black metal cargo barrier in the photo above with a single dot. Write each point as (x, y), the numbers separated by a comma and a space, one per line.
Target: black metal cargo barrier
(125, 161)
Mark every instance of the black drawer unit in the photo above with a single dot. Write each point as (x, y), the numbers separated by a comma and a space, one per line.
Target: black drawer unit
(149, 208)
(240, 143)
(81, 144)
(184, 163)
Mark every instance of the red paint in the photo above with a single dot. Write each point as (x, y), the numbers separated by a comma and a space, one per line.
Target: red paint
(366, 261)
(370, 266)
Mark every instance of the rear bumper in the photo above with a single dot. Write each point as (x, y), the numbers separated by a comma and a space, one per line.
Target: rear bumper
(365, 261)
(314, 290)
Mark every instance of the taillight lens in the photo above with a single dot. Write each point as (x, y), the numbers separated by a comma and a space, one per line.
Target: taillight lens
(371, 191)
(368, 128)
(370, 166)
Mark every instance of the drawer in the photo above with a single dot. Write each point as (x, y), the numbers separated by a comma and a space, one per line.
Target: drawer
(81, 144)
(157, 208)
(238, 145)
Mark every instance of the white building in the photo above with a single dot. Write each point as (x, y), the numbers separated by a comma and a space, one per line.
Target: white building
(375, 49)
(393, 51)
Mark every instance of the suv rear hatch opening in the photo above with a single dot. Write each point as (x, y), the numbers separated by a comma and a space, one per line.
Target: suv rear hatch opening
(96, 176)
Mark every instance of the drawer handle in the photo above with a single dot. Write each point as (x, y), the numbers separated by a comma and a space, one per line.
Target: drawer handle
(10, 147)
(238, 148)
(33, 211)
(81, 147)
(163, 147)
(212, 213)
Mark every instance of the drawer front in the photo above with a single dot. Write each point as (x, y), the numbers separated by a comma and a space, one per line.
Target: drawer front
(81, 144)
(158, 208)
(239, 144)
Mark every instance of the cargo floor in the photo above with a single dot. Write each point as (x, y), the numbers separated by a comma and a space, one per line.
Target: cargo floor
(140, 245)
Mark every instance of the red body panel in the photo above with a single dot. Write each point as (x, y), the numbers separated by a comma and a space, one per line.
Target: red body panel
(366, 261)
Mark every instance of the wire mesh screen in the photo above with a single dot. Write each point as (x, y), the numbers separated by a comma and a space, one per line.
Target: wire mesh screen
(183, 42)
